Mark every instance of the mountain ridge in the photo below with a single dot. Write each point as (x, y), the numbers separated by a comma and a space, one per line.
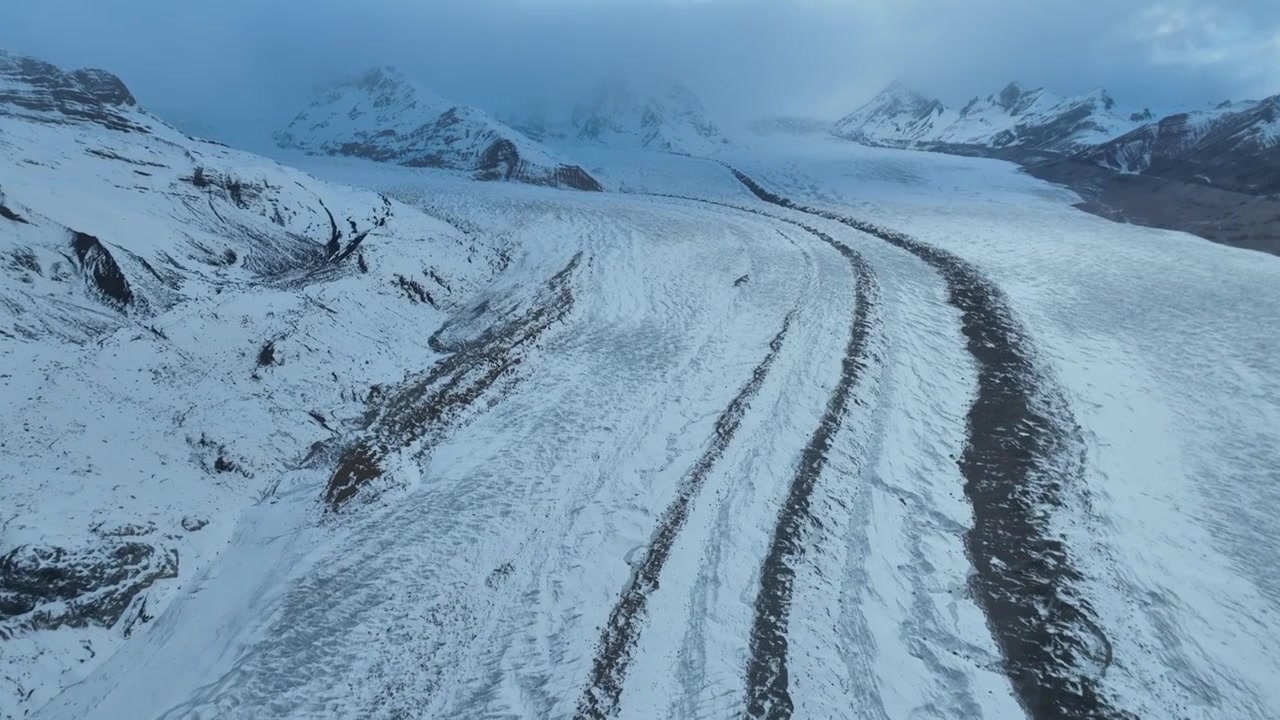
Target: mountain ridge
(1213, 172)
(381, 115)
(661, 115)
(1015, 117)
(42, 92)
(1233, 146)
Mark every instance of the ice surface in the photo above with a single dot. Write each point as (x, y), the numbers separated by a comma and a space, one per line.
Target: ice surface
(1170, 369)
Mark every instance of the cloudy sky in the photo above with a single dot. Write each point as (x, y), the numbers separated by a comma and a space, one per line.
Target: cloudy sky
(254, 61)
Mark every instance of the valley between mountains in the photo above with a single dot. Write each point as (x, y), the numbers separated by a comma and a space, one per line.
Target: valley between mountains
(438, 415)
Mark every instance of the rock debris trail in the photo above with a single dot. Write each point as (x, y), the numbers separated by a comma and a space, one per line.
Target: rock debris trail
(1023, 447)
(427, 407)
(767, 682)
(767, 667)
(618, 639)
(768, 692)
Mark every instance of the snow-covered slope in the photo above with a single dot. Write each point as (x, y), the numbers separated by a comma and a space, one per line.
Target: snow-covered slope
(897, 117)
(1234, 146)
(1016, 117)
(628, 114)
(381, 115)
(180, 323)
(1036, 119)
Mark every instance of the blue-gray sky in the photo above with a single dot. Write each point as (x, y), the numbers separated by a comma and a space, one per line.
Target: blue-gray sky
(258, 60)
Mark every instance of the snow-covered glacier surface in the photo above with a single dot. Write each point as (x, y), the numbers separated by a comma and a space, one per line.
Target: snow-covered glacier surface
(669, 452)
(1161, 345)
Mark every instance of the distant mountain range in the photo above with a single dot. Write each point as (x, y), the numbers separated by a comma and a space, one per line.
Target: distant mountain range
(1235, 146)
(1088, 142)
(381, 115)
(662, 115)
(1213, 172)
(1032, 119)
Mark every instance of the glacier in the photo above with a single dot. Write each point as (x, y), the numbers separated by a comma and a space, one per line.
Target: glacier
(751, 374)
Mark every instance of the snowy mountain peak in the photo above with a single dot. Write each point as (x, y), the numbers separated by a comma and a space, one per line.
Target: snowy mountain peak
(897, 116)
(389, 88)
(1015, 97)
(899, 89)
(1104, 98)
(1015, 117)
(897, 97)
(380, 75)
(37, 90)
(381, 115)
(662, 115)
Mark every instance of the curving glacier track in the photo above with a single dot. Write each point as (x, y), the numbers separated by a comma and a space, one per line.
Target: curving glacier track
(753, 451)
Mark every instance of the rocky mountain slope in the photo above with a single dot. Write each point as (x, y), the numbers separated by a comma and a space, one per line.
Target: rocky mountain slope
(381, 115)
(179, 324)
(663, 116)
(1015, 118)
(1214, 173)
(1234, 147)
(35, 90)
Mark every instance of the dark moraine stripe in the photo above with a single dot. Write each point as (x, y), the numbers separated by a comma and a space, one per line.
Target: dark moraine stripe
(1023, 445)
(621, 632)
(768, 691)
